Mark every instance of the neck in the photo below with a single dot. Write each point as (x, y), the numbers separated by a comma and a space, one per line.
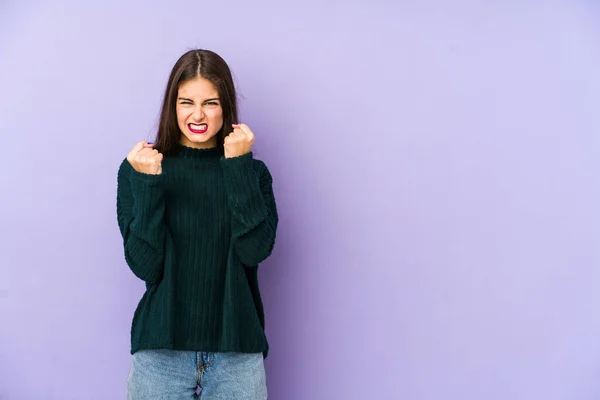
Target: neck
(205, 145)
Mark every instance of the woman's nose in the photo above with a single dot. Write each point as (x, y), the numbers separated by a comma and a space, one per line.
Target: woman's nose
(198, 113)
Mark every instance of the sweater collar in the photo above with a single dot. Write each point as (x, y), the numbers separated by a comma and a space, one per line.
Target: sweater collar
(190, 152)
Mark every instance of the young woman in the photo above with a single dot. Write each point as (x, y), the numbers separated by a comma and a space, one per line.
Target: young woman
(197, 215)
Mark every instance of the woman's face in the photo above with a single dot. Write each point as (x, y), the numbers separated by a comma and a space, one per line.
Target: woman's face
(199, 113)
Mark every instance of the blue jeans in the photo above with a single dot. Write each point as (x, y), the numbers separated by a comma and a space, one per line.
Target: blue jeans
(171, 374)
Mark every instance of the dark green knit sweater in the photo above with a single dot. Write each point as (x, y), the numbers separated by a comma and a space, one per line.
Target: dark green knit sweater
(196, 234)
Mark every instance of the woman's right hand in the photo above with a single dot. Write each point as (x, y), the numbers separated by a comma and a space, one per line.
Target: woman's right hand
(143, 158)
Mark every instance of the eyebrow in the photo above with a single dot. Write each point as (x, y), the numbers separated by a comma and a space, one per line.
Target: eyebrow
(185, 98)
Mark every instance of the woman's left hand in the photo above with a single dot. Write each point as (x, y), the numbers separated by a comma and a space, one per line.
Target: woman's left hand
(238, 142)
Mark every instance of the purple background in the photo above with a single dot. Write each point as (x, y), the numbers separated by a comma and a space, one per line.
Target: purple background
(436, 170)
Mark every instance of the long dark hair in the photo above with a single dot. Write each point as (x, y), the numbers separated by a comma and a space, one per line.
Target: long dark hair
(193, 64)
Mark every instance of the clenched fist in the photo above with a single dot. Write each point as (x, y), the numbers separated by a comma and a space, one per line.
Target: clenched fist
(143, 158)
(238, 142)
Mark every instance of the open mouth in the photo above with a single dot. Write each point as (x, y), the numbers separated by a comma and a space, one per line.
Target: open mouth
(198, 128)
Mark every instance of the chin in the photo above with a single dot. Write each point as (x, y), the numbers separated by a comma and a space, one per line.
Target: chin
(201, 139)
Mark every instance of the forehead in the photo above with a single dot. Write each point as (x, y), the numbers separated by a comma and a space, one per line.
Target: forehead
(197, 88)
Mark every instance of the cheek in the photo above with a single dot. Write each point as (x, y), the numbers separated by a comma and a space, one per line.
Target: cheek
(216, 115)
(181, 116)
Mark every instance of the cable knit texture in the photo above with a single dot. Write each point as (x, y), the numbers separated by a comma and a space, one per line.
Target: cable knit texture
(196, 234)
